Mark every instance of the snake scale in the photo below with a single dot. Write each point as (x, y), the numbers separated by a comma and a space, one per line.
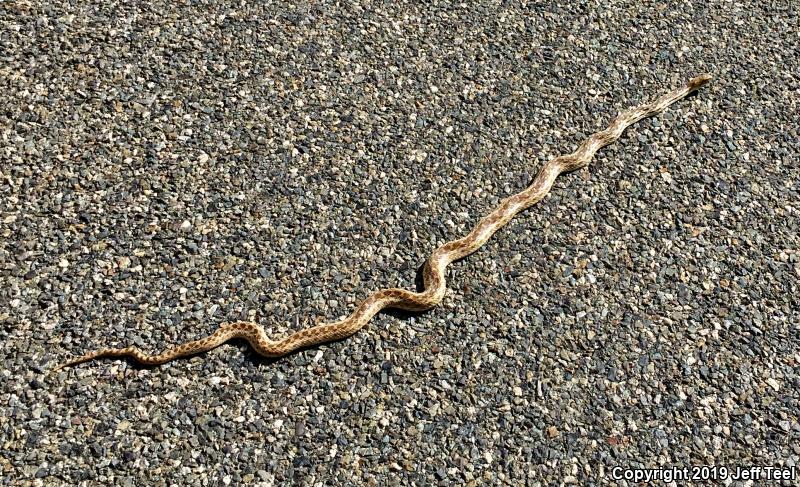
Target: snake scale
(433, 270)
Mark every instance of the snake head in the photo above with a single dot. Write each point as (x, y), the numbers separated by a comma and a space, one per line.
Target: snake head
(699, 81)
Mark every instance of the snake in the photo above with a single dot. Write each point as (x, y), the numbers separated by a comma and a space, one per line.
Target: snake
(433, 272)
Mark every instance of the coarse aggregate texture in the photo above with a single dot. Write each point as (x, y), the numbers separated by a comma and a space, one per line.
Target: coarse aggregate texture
(169, 166)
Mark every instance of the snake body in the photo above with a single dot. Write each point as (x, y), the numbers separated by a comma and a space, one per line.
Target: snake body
(434, 268)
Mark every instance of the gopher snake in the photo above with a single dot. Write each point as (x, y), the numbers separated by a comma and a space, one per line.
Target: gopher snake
(433, 271)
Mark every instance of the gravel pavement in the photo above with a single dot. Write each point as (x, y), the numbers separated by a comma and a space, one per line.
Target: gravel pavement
(166, 167)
